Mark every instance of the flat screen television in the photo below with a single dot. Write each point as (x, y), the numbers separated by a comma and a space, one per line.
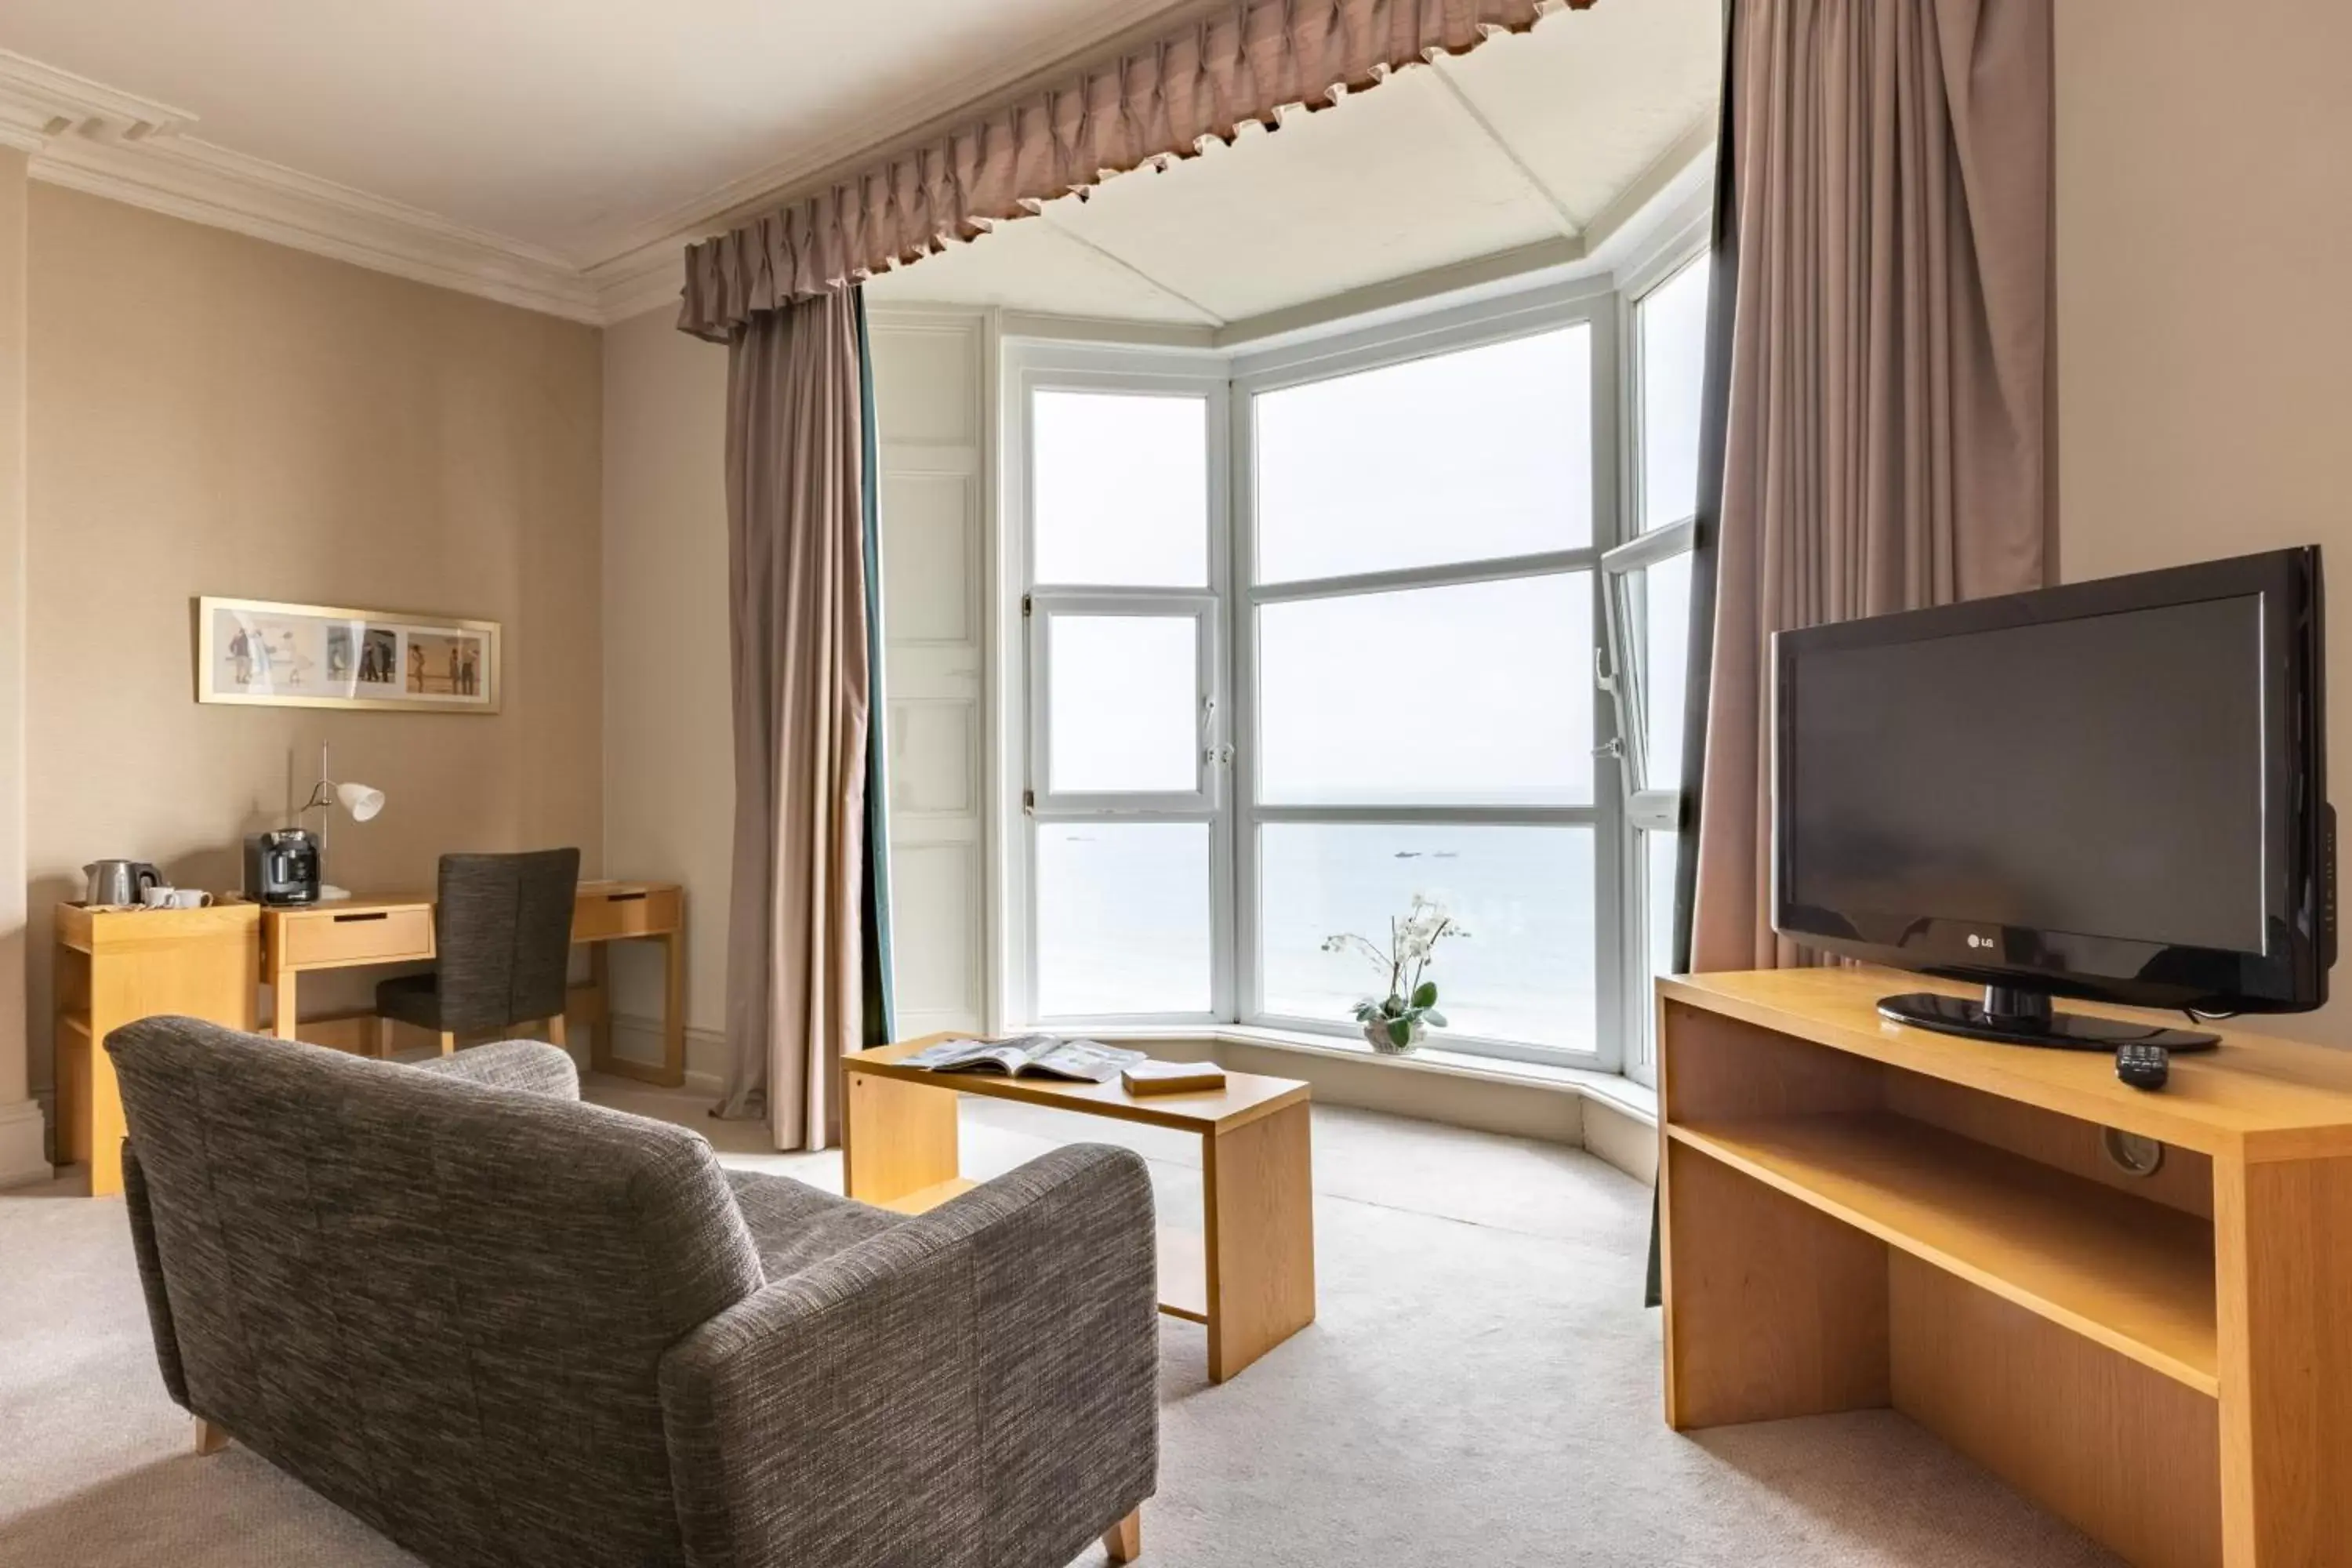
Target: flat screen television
(2113, 790)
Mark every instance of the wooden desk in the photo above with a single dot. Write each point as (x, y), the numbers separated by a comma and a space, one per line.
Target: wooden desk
(1251, 1280)
(398, 928)
(1861, 1214)
(116, 966)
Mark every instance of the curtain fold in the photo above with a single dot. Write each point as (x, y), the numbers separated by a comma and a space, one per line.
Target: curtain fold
(1887, 442)
(799, 630)
(1200, 81)
(881, 1020)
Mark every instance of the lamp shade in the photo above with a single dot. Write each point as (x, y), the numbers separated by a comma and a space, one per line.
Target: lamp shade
(360, 800)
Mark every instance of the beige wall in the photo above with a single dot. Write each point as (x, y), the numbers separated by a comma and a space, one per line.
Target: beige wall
(21, 1157)
(214, 415)
(669, 781)
(2205, 303)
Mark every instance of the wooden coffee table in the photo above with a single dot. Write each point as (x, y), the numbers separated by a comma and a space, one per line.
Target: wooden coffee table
(1250, 1279)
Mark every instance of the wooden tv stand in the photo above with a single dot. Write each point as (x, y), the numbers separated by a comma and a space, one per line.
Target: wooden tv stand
(1858, 1214)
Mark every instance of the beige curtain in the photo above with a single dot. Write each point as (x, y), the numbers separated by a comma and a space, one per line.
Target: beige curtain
(1889, 426)
(1200, 80)
(797, 579)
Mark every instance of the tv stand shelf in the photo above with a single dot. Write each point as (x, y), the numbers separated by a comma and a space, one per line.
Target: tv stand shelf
(1858, 1214)
(2133, 1275)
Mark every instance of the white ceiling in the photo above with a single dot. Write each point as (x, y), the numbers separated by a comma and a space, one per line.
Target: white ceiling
(581, 129)
(1526, 143)
(561, 157)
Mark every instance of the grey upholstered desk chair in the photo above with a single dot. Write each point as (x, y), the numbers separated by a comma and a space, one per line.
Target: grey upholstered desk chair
(502, 934)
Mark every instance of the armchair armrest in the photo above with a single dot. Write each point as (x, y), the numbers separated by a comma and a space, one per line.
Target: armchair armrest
(532, 1066)
(974, 1388)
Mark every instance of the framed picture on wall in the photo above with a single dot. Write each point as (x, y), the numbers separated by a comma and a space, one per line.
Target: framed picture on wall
(327, 656)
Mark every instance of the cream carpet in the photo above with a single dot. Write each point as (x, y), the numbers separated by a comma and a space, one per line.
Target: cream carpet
(1481, 1387)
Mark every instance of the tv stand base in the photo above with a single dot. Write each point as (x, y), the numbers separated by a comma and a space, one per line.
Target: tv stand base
(2016, 1017)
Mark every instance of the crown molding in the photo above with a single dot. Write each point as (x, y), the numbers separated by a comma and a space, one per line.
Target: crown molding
(39, 101)
(187, 178)
(90, 137)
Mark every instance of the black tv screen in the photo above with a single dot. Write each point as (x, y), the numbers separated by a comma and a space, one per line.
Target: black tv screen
(2113, 789)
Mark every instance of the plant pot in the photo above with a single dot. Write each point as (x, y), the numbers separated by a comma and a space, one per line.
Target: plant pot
(1376, 1036)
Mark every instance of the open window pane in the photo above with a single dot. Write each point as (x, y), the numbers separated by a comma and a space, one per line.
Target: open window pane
(1650, 629)
(1123, 920)
(1471, 456)
(1122, 704)
(1478, 694)
(1660, 598)
(1671, 323)
(1525, 973)
(1120, 488)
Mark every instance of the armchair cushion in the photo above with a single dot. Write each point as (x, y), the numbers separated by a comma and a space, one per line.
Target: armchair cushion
(529, 1067)
(974, 1387)
(793, 1225)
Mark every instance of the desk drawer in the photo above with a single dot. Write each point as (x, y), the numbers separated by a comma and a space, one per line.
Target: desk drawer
(322, 938)
(636, 912)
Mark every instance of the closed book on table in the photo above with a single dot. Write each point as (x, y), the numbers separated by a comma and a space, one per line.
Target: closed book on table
(1171, 1078)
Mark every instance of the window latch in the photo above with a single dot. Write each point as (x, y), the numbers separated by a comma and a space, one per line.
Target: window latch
(1612, 748)
(1602, 677)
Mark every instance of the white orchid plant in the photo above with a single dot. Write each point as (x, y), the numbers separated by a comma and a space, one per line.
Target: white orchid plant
(1411, 1000)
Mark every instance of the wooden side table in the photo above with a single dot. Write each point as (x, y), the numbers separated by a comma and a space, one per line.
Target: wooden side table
(1250, 1279)
(117, 966)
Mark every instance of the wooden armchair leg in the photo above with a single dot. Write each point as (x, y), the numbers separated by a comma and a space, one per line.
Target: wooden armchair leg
(1123, 1541)
(449, 1043)
(210, 1439)
(555, 1035)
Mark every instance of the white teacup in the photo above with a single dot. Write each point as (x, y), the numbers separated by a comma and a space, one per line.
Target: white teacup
(190, 898)
(158, 897)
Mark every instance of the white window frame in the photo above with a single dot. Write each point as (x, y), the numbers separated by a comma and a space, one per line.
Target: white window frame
(1038, 609)
(1033, 368)
(1588, 304)
(1651, 805)
(1617, 815)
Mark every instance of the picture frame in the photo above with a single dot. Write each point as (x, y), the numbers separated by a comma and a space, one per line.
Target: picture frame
(264, 653)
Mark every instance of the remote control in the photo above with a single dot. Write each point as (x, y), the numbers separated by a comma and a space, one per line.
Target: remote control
(2142, 1067)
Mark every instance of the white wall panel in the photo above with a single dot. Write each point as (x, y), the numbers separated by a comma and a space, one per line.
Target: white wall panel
(931, 414)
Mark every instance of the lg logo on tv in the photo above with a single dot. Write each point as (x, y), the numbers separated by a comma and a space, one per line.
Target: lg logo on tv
(1975, 941)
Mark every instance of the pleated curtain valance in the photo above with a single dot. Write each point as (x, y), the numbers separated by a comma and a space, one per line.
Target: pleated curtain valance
(1206, 79)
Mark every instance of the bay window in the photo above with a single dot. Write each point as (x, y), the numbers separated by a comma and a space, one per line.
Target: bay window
(1309, 632)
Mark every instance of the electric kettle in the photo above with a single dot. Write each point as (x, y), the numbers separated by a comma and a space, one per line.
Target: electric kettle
(121, 882)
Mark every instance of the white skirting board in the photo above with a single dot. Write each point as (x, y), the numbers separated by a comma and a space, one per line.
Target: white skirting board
(1622, 1137)
(639, 1040)
(23, 1154)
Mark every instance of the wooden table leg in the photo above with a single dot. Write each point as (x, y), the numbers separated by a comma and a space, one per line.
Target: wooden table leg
(674, 1007)
(896, 1138)
(598, 1012)
(281, 1003)
(1258, 1181)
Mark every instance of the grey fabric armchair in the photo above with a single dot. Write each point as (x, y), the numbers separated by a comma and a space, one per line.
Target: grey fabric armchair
(505, 1327)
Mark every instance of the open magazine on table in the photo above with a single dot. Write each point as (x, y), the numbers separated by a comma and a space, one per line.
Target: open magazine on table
(1029, 1056)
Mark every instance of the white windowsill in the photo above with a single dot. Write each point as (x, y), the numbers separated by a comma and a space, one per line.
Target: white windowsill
(1614, 1089)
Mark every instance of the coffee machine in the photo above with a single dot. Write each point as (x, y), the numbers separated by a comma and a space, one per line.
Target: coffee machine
(281, 866)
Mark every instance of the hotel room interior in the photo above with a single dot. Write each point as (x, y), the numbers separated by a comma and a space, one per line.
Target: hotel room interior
(1565, 617)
